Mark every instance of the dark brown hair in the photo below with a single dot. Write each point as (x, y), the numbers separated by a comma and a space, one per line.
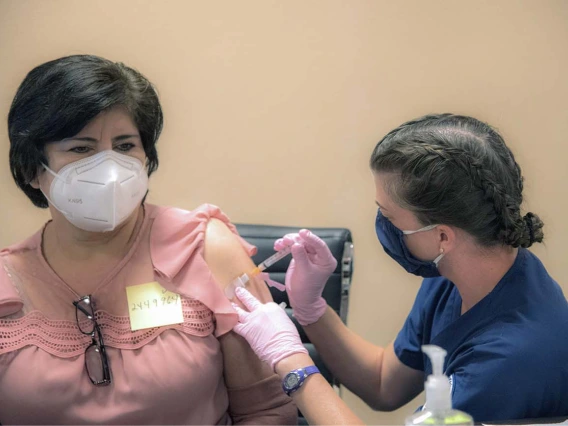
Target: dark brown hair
(58, 98)
(455, 170)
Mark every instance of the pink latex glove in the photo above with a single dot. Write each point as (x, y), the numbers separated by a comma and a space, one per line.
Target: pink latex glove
(267, 329)
(309, 270)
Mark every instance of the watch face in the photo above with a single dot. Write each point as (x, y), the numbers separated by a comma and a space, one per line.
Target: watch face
(291, 380)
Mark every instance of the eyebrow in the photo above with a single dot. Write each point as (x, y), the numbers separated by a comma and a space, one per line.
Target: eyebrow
(381, 207)
(115, 139)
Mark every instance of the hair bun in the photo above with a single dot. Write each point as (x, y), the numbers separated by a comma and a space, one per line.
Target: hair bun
(533, 230)
(524, 232)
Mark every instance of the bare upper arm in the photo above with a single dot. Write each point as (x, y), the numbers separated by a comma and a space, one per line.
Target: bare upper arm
(399, 383)
(227, 259)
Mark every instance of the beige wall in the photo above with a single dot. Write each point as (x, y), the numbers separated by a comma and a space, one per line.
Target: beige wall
(273, 107)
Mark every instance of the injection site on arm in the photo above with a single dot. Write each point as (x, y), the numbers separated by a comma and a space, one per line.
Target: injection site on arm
(242, 280)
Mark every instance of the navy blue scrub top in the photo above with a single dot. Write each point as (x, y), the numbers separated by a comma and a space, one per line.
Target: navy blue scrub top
(508, 355)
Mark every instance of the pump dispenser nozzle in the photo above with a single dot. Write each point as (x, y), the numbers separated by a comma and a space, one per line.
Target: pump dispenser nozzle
(438, 407)
(437, 386)
(437, 356)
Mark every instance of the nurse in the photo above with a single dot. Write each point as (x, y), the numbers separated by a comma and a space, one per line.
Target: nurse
(449, 195)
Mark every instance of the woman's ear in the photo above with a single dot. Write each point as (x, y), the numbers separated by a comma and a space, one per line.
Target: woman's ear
(447, 236)
(34, 183)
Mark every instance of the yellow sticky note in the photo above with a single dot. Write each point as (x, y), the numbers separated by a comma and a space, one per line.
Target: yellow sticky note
(151, 305)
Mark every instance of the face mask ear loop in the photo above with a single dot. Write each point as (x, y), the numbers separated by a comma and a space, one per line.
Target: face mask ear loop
(48, 199)
(426, 228)
(44, 194)
(440, 256)
(50, 171)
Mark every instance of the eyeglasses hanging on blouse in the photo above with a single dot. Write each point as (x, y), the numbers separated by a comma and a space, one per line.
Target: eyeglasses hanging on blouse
(96, 360)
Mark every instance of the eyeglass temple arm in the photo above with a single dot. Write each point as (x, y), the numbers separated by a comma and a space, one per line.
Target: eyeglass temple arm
(78, 306)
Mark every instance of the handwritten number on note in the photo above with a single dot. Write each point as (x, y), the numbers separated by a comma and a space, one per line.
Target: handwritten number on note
(155, 303)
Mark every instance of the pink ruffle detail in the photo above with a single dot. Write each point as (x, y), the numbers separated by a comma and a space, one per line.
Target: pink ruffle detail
(176, 247)
(10, 300)
(63, 338)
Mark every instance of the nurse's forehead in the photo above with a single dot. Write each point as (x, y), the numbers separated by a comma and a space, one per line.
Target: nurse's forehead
(382, 196)
(387, 205)
(391, 209)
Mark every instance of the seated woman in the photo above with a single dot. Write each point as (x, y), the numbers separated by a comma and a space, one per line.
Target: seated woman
(80, 340)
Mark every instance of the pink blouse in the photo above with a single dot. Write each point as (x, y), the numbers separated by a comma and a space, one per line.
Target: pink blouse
(164, 375)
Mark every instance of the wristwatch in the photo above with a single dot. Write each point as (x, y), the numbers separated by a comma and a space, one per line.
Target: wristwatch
(295, 378)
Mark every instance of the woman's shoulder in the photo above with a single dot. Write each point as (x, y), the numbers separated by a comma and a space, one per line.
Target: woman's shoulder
(201, 213)
(172, 225)
(177, 247)
(30, 243)
(176, 234)
(21, 254)
(10, 299)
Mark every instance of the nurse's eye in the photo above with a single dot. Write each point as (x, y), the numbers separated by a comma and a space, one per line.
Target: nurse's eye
(80, 149)
(124, 147)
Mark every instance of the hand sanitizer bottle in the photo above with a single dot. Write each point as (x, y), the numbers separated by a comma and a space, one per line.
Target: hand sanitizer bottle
(438, 407)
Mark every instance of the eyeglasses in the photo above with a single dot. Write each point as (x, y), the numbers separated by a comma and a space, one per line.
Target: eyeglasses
(96, 360)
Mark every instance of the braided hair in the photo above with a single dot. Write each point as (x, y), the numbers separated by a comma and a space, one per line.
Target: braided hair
(456, 170)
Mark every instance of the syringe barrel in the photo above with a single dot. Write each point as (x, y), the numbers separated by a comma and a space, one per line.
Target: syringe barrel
(275, 258)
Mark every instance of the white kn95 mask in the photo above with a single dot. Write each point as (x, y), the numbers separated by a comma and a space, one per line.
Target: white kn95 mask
(100, 192)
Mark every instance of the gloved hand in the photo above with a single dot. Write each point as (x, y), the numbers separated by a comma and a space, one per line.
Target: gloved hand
(267, 329)
(309, 270)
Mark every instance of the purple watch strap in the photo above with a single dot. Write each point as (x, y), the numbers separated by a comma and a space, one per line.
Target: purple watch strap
(312, 369)
(301, 374)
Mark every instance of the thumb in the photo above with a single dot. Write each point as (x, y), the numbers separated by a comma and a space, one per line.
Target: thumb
(250, 302)
(240, 329)
(241, 313)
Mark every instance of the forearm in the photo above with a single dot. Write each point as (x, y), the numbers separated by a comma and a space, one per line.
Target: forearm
(354, 361)
(255, 392)
(262, 403)
(316, 399)
(241, 366)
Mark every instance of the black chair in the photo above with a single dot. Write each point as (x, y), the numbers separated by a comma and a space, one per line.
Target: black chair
(336, 292)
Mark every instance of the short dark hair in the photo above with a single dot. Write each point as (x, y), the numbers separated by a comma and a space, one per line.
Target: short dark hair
(456, 170)
(58, 98)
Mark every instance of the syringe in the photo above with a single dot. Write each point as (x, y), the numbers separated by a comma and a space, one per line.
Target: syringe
(245, 278)
(271, 261)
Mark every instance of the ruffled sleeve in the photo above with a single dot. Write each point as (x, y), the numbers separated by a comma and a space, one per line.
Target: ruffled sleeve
(10, 300)
(176, 247)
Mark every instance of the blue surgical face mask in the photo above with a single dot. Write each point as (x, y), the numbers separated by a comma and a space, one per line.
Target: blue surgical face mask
(392, 240)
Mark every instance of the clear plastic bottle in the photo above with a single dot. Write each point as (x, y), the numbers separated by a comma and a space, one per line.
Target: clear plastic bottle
(438, 408)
